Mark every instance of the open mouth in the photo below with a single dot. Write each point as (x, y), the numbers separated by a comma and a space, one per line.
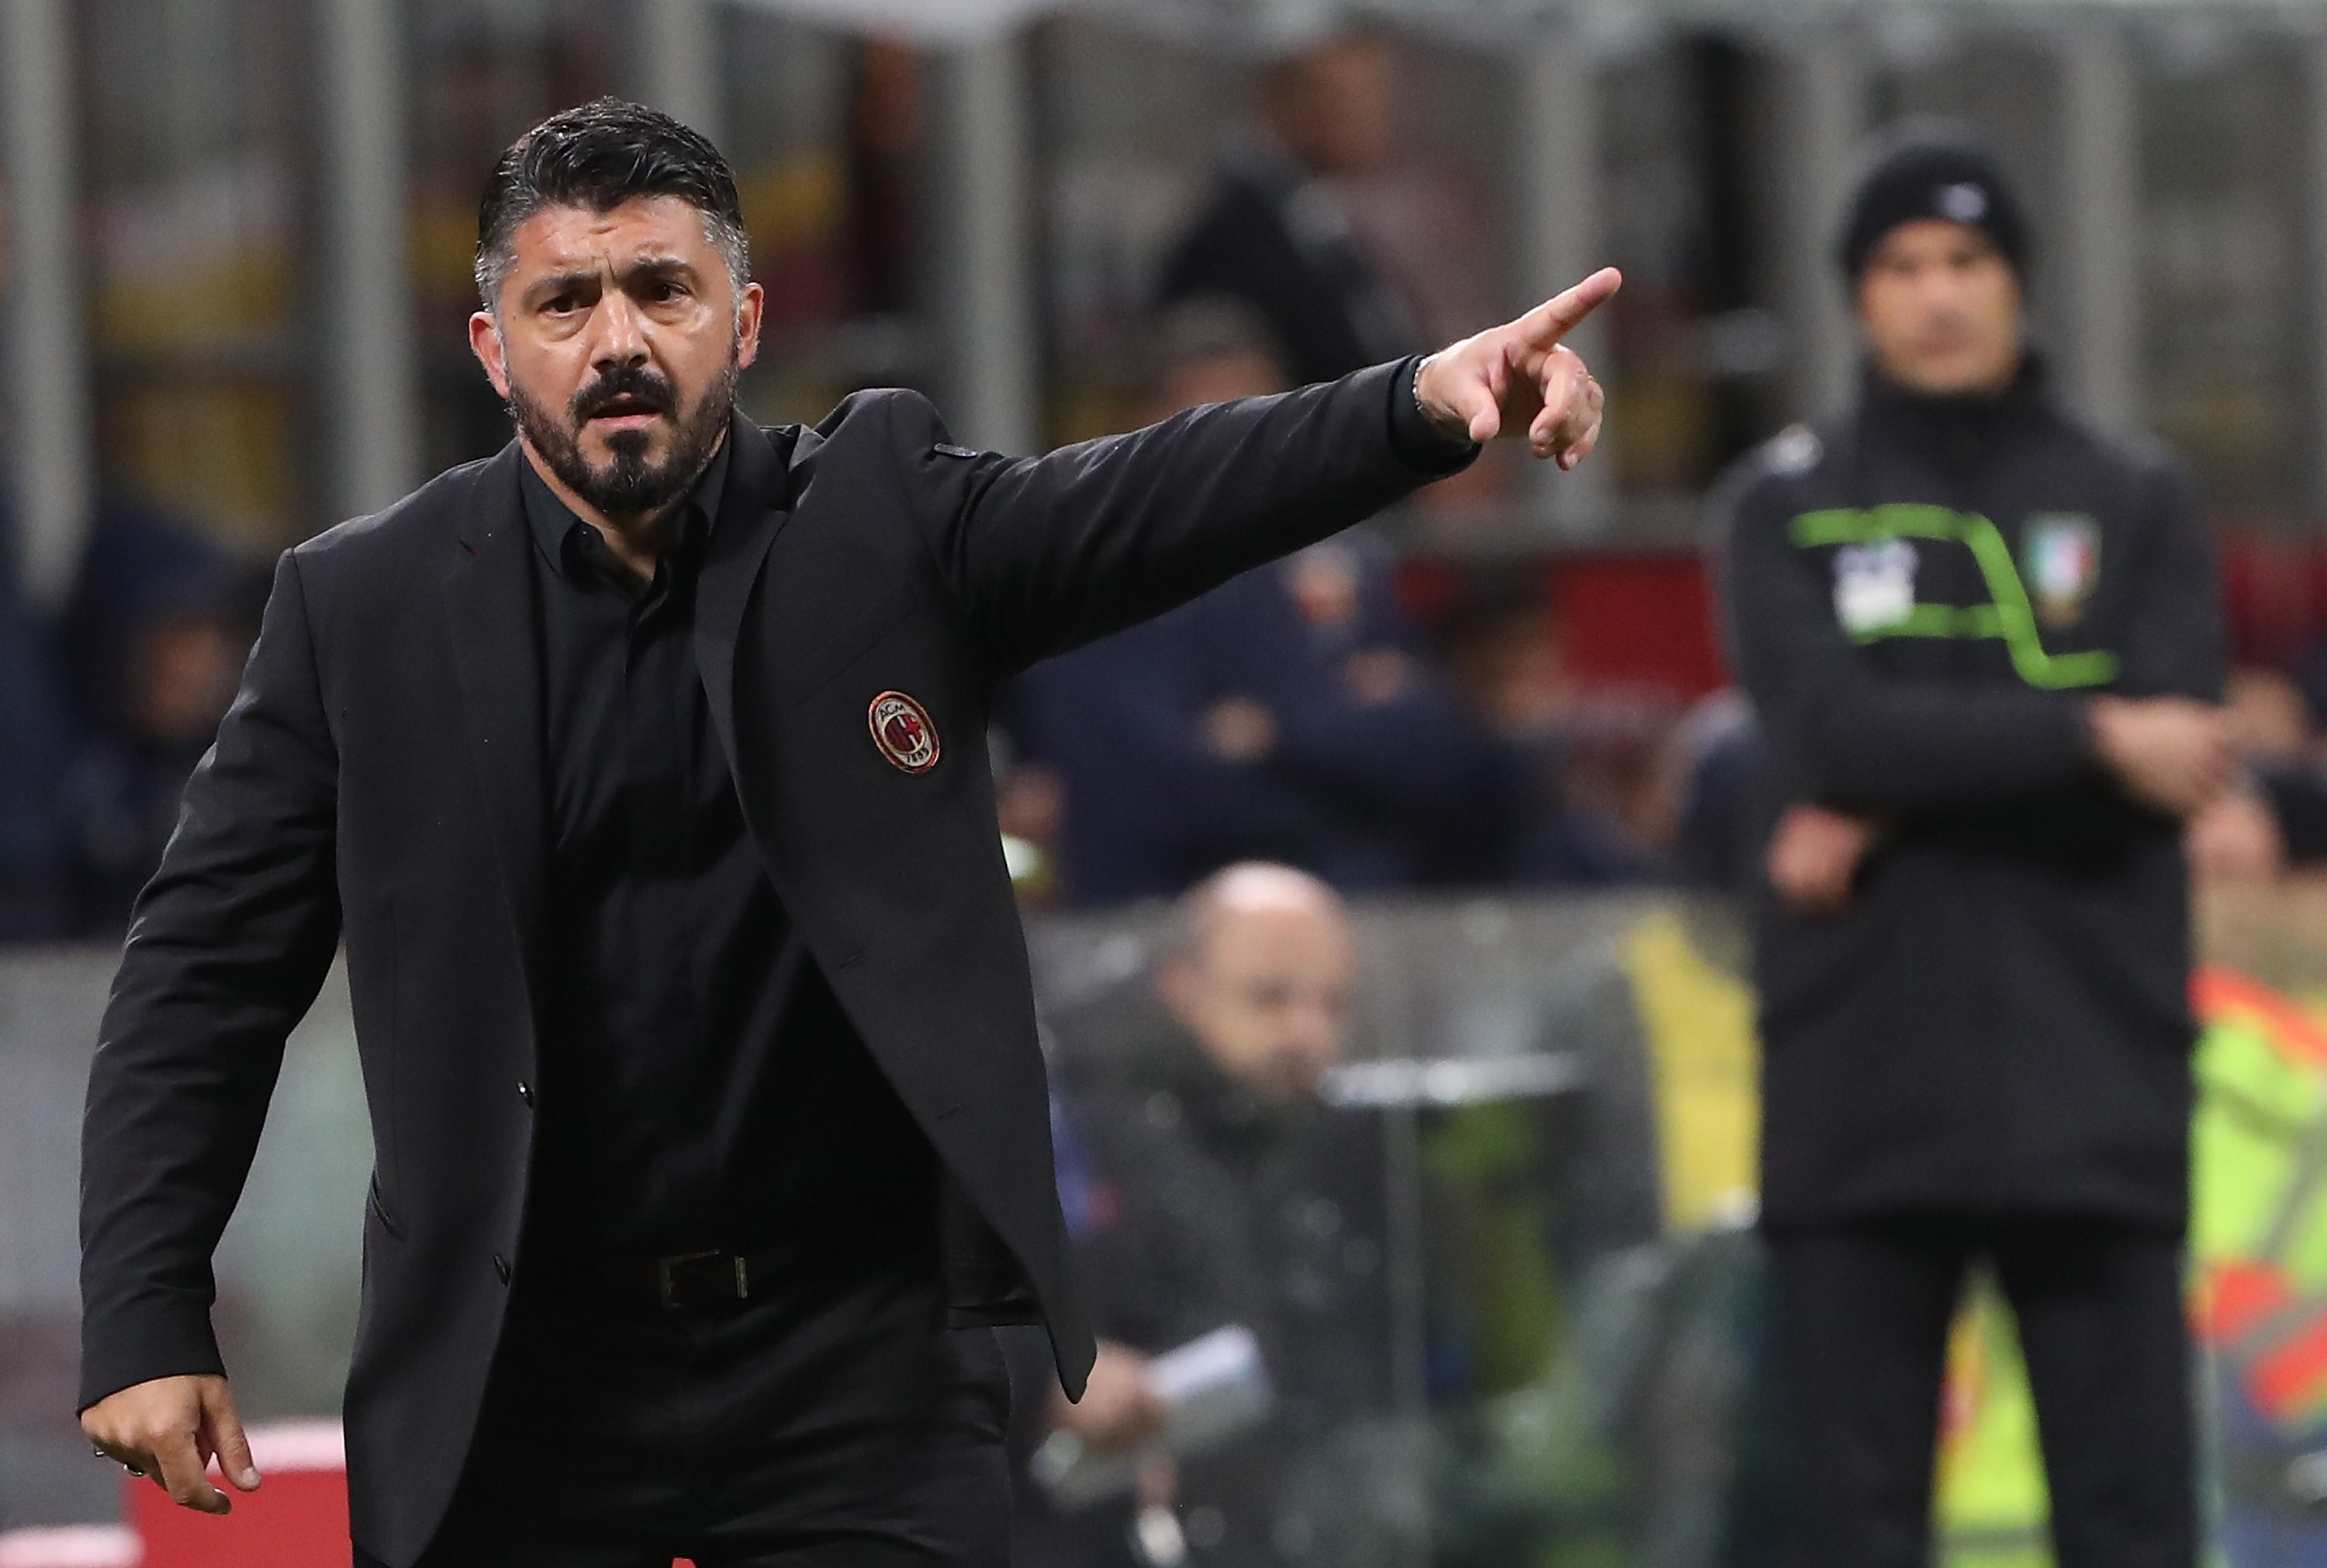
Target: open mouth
(626, 412)
(629, 398)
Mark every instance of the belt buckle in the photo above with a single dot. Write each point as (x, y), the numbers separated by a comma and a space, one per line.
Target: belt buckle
(737, 1278)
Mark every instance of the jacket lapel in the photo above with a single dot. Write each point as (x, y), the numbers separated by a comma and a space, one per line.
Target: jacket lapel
(765, 470)
(497, 657)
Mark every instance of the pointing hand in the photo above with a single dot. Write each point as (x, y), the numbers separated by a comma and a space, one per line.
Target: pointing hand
(1521, 376)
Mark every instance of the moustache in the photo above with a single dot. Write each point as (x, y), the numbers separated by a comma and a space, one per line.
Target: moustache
(649, 392)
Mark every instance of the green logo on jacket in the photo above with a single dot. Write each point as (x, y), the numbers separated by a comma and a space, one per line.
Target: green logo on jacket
(1875, 598)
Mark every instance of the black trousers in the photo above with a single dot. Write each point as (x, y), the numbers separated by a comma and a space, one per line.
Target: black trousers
(1862, 1315)
(830, 1421)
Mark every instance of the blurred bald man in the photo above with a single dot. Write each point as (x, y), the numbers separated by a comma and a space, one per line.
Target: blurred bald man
(1258, 973)
(1223, 1191)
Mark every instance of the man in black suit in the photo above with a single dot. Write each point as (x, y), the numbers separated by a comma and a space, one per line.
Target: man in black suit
(639, 768)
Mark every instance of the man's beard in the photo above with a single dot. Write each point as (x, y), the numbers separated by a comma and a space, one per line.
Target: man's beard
(629, 485)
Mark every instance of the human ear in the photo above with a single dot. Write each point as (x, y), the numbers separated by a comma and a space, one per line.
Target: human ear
(485, 343)
(748, 311)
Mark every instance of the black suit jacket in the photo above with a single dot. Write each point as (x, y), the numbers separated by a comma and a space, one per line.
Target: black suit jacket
(380, 779)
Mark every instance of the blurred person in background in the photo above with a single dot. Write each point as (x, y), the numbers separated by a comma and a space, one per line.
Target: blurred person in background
(1285, 715)
(1983, 646)
(1590, 781)
(637, 768)
(1275, 236)
(2275, 816)
(1224, 1192)
(151, 642)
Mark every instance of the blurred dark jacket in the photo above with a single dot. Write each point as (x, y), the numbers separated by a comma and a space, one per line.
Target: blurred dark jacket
(1277, 239)
(1210, 1207)
(1921, 600)
(1364, 793)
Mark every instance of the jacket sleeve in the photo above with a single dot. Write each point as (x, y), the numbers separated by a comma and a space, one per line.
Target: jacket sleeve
(228, 945)
(1047, 553)
(1857, 741)
(2177, 644)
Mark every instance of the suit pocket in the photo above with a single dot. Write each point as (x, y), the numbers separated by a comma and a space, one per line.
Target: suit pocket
(380, 1212)
(803, 677)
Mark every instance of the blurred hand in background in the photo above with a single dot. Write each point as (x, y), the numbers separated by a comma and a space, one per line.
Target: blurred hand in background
(1815, 855)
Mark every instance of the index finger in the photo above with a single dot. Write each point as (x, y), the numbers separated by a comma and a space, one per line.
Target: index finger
(1564, 312)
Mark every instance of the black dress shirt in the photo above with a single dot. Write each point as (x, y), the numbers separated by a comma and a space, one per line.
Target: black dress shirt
(700, 1086)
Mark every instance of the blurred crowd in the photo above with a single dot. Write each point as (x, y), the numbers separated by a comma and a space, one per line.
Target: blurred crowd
(1301, 715)
(1326, 714)
(1334, 712)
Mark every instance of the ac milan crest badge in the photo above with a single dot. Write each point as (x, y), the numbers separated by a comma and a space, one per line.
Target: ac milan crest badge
(902, 729)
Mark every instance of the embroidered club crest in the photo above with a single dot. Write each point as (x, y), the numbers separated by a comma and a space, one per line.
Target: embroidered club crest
(902, 729)
(2062, 553)
(1873, 585)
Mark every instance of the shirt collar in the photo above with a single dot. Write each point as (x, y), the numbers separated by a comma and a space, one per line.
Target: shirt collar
(553, 522)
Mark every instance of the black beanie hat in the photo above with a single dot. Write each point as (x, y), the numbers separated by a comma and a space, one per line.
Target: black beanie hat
(1934, 172)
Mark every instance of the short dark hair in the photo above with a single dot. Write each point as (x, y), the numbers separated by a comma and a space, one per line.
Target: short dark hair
(598, 156)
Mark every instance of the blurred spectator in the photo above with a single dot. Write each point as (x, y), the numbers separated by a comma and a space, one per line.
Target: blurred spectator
(2278, 817)
(1222, 1191)
(2240, 835)
(1284, 716)
(1597, 797)
(152, 641)
(1273, 234)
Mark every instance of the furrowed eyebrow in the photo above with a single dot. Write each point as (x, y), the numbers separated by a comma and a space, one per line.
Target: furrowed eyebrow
(645, 269)
(655, 266)
(562, 283)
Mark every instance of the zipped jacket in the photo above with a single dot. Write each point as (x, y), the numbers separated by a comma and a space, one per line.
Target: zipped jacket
(1921, 601)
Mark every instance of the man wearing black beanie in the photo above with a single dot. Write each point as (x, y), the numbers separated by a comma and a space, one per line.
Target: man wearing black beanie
(1985, 651)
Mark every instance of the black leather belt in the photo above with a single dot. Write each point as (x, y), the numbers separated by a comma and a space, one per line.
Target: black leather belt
(697, 1281)
(687, 1280)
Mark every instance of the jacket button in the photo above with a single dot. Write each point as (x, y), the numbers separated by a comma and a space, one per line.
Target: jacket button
(501, 1268)
(525, 1091)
